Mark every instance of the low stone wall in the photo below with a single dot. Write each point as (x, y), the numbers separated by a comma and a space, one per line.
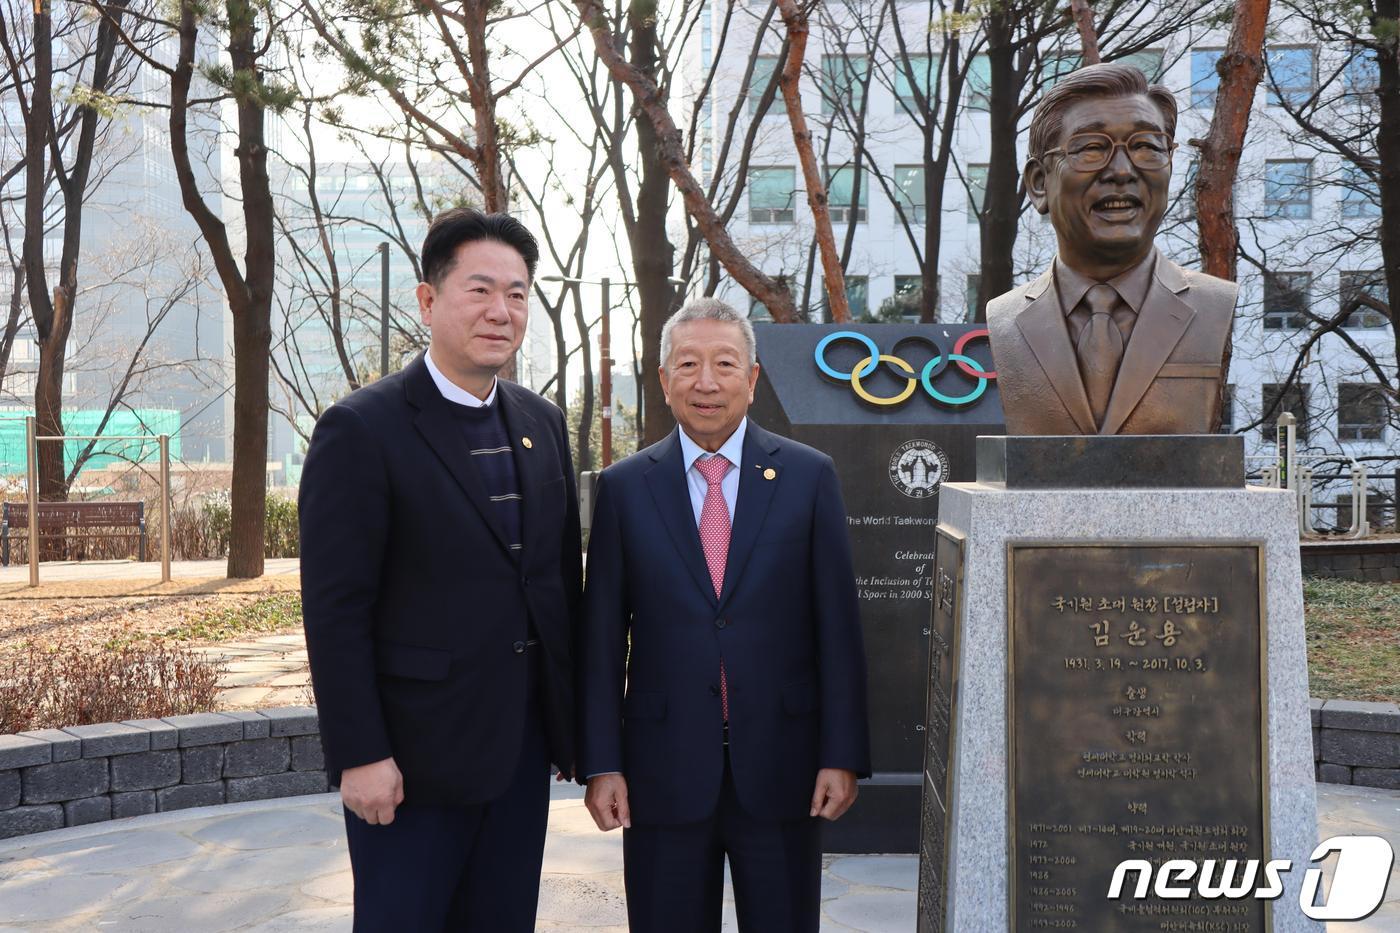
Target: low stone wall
(1357, 743)
(1376, 560)
(85, 774)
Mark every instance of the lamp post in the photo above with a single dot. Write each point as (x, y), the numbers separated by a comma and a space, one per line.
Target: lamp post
(604, 350)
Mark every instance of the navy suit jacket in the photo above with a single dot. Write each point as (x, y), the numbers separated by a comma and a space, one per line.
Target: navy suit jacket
(416, 612)
(786, 623)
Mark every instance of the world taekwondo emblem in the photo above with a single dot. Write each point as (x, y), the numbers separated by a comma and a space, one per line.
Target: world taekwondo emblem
(917, 468)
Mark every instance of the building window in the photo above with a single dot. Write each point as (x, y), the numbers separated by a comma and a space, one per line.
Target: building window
(1292, 75)
(979, 83)
(1288, 188)
(1055, 66)
(840, 194)
(915, 72)
(1360, 195)
(763, 68)
(908, 300)
(1361, 412)
(1148, 61)
(976, 191)
(1205, 80)
(843, 82)
(1286, 300)
(1227, 409)
(1353, 286)
(909, 192)
(1294, 400)
(771, 194)
(974, 285)
(857, 290)
(1361, 75)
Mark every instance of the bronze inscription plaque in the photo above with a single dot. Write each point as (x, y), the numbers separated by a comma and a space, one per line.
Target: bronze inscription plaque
(1136, 709)
(943, 633)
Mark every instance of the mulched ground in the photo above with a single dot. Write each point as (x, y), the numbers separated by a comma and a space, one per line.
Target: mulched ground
(99, 620)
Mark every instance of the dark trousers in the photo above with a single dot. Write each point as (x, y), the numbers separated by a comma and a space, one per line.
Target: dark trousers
(675, 874)
(464, 869)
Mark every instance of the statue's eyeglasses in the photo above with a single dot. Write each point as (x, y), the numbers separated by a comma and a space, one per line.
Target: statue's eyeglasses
(1089, 152)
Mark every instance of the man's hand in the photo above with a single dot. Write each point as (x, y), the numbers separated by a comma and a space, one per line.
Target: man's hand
(606, 799)
(372, 791)
(835, 792)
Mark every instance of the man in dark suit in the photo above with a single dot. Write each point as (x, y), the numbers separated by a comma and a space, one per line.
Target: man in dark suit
(440, 574)
(720, 589)
(1113, 338)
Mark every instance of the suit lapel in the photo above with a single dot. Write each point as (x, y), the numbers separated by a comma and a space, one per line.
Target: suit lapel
(444, 435)
(666, 482)
(1042, 324)
(1160, 324)
(530, 462)
(751, 507)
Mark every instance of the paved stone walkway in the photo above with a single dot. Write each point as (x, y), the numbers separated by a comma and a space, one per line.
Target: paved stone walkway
(137, 571)
(281, 866)
(262, 672)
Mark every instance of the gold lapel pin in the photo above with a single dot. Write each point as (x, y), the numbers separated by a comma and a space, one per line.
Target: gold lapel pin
(527, 442)
(770, 473)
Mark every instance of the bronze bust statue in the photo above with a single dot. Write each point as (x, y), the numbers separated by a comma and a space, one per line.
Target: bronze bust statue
(1113, 338)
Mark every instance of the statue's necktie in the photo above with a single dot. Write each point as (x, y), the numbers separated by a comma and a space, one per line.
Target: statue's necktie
(1100, 348)
(714, 540)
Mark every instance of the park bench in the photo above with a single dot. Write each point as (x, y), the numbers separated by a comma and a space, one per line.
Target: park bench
(76, 520)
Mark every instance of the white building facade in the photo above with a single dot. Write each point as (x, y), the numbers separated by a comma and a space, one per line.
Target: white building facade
(1308, 220)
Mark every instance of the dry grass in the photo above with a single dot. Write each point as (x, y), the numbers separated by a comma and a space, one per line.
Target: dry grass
(120, 621)
(1353, 639)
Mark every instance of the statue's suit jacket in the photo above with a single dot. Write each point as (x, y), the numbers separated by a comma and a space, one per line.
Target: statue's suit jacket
(1168, 382)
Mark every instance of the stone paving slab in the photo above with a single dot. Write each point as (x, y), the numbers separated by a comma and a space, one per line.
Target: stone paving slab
(280, 865)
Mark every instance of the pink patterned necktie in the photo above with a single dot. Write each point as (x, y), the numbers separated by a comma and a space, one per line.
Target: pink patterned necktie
(714, 540)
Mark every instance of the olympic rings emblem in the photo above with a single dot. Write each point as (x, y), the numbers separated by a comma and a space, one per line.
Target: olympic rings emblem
(901, 368)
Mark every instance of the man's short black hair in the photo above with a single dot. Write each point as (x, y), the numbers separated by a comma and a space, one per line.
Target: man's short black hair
(452, 228)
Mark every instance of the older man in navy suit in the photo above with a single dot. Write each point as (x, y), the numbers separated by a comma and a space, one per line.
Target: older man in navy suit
(722, 675)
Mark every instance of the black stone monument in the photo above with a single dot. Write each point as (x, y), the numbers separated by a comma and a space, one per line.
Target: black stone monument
(905, 424)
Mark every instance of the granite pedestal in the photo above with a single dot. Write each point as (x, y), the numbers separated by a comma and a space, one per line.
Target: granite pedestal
(1010, 506)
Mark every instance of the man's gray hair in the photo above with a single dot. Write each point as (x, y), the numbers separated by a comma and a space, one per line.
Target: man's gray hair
(708, 309)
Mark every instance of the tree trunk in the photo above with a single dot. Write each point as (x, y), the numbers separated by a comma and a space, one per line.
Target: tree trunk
(252, 344)
(53, 315)
(249, 293)
(796, 22)
(653, 254)
(1240, 69)
(1001, 208)
(1088, 38)
(488, 144)
(48, 399)
(585, 421)
(1387, 14)
(252, 329)
(48, 312)
(652, 108)
(935, 175)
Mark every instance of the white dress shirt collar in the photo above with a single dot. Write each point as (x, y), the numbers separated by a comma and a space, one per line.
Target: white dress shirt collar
(732, 449)
(453, 392)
